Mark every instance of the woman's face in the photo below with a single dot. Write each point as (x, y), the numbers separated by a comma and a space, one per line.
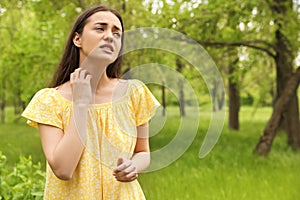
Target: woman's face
(101, 38)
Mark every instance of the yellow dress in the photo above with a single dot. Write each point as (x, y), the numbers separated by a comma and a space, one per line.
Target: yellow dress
(111, 133)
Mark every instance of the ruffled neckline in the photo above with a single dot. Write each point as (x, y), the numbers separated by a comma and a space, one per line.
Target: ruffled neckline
(105, 104)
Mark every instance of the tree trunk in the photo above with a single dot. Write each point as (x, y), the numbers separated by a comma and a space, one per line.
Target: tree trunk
(124, 6)
(234, 106)
(282, 105)
(163, 98)
(181, 99)
(221, 100)
(214, 96)
(284, 68)
(23, 105)
(15, 106)
(234, 98)
(2, 107)
(292, 125)
(179, 68)
(217, 97)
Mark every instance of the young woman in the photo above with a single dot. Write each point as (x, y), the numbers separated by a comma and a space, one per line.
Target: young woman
(93, 125)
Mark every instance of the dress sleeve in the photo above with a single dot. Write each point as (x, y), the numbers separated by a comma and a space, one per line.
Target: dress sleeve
(143, 102)
(44, 109)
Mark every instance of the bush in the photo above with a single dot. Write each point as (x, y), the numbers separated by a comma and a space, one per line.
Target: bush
(24, 181)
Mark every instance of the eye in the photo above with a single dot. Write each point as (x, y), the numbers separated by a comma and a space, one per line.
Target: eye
(99, 29)
(117, 34)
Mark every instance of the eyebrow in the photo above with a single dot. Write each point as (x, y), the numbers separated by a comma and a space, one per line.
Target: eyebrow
(105, 24)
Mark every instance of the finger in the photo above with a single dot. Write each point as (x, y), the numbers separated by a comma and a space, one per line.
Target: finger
(86, 74)
(88, 77)
(125, 179)
(123, 166)
(129, 169)
(132, 175)
(120, 161)
(122, 179)
(76, 73)
(81, 74)
(123, 175)
(120, 174)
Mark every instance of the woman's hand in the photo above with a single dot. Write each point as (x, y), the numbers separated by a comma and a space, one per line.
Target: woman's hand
(126, 171)
(82, 96)
(81, 86)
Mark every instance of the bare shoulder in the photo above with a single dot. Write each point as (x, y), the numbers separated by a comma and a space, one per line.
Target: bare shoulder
(120, 87)
(65, 90)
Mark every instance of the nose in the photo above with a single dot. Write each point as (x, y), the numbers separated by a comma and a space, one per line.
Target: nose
(108, 36)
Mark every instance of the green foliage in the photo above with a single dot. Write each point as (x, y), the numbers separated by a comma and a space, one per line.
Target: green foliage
(34, 35)
(24, 181)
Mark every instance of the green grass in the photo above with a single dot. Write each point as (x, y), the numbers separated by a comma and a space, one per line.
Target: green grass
(230, 171)
(19, 138)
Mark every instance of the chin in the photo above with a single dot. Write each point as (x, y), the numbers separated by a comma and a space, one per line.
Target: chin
(104, 58)
(107, 59)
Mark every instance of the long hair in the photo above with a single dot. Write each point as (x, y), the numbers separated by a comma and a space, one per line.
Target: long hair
(70, 58)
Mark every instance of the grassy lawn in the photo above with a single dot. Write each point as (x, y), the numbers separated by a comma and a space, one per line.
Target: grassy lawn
(230, 171)
(19, 138)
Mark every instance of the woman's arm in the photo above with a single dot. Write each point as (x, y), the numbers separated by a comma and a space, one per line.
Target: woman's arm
(141, 157)
(128, 170)
(63, 149)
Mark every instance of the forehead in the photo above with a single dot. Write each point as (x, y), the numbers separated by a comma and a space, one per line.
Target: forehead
(105, 17)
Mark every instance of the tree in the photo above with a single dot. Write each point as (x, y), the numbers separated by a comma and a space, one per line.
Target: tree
(286, 91)
(264, 145)
(276, 18)
(249, 24)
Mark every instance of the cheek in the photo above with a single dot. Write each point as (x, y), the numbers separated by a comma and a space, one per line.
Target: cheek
(119, 45)
(87, 44)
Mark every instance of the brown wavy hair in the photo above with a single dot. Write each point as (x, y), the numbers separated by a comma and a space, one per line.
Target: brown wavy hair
(70, 58)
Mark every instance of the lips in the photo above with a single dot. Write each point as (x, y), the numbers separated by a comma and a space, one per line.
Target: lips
(107, 47)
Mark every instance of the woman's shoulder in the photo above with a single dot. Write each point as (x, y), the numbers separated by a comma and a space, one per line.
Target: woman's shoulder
(137, 88)
(135, 83)
(44, 92)
(47, 96)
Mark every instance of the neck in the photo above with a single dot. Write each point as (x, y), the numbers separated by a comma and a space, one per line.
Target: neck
(98, 71)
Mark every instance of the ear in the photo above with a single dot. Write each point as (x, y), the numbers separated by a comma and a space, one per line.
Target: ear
(77, 40)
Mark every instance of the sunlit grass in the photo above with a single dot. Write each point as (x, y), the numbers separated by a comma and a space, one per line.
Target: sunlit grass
(230, 171)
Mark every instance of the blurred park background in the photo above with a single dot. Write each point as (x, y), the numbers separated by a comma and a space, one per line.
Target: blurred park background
(256, 47)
